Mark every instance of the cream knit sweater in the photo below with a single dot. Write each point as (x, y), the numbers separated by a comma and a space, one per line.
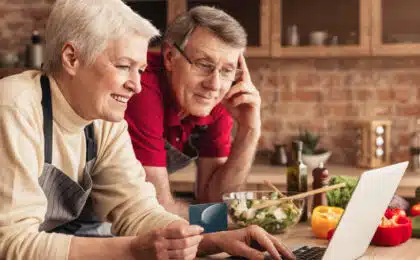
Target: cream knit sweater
(120, 193)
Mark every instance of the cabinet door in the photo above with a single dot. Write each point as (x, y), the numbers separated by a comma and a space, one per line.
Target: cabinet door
(396, 27)
(159, 12)
(320, 28)
(156, 11)
(254, 16)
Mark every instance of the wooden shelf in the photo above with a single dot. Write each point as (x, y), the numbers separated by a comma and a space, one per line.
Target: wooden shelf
(400, 49)
(321, 51)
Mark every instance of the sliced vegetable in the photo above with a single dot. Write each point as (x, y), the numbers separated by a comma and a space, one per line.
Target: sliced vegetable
(389, 213)
(392, 231)
(415, 210)
(325, 218)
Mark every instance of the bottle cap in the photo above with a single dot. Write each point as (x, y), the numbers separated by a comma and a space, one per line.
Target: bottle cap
(36, 38)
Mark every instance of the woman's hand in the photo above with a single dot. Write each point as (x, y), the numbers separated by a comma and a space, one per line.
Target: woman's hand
(238, 243)
(178, 240)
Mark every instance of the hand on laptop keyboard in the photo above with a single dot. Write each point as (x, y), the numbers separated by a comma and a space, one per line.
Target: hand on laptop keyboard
(302, 253)
(254, 244)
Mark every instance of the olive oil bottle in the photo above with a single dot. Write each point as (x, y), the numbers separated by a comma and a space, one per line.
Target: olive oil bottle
(297, 175)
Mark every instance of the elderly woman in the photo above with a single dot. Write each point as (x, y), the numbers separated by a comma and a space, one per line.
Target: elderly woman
(67, 165)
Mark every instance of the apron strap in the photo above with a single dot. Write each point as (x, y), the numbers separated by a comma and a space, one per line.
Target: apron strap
(175, 159)
(91, 148)
(48, 118)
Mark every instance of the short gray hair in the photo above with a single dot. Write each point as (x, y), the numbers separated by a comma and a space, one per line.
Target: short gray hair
(224, 26)
(89, 25)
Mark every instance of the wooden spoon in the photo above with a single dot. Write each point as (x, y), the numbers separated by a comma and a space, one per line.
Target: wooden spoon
(270, 203)
(269, 184)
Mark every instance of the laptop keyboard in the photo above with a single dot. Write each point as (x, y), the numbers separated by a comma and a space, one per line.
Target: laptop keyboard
(309, 253)
(302, 253)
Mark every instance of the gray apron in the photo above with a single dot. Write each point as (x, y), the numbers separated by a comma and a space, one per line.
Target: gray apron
(69, 209)
(175, 159)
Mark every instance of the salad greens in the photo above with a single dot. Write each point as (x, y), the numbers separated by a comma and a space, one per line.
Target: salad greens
(273, 219)
(340, 197)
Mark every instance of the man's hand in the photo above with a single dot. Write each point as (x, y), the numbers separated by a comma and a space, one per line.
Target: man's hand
(240, 243)
(178, 240)
(243, 100)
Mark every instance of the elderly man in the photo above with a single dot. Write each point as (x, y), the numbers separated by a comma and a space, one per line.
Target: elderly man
(67, 163)
(191, 92)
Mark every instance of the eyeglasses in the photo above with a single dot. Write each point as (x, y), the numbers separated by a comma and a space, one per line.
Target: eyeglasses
(205, 68)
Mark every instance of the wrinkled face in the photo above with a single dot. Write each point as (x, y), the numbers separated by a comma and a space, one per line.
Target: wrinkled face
(196, 93)
(105, 86)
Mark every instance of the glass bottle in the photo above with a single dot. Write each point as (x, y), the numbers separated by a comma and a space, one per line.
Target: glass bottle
(279, 156)
(297, 176)
(292, 35)
(35, 51)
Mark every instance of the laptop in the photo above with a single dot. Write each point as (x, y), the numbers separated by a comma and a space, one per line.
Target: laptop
(375, 189)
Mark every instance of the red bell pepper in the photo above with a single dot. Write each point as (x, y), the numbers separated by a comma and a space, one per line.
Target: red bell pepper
(389, 213)
(330, 234)
(392, 231)
(415, 210)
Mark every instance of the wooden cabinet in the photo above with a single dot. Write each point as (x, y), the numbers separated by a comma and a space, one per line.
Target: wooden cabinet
(320, 28)
(350, 27)
(395, 27)
(254, 15)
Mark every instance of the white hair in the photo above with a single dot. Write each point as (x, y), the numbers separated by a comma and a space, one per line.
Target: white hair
(89, 25)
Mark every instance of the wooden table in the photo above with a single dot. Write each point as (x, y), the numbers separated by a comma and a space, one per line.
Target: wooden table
(302, 234)
(183, 180)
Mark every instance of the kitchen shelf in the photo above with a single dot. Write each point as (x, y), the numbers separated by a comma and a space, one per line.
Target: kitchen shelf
(348, 20)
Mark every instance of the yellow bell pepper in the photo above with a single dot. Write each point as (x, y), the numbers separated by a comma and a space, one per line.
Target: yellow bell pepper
(325, 218)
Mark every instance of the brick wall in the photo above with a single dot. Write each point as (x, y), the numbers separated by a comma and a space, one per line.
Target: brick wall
(18, 19)
(323, 95)
(329, 95)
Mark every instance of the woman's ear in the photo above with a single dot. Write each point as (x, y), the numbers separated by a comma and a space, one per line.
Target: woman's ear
(70, 59)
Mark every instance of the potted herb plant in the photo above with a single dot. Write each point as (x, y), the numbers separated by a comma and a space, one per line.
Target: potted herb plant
(312, 156)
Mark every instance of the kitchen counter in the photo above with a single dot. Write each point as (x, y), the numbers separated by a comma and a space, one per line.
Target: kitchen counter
(183, 180)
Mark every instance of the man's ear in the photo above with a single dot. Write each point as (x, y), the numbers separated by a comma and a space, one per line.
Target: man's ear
(70, 59)
(168, 56)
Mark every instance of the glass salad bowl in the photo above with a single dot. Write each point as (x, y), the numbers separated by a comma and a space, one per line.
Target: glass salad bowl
(243, 210)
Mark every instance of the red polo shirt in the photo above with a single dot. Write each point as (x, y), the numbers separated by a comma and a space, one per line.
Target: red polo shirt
(152, 117)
